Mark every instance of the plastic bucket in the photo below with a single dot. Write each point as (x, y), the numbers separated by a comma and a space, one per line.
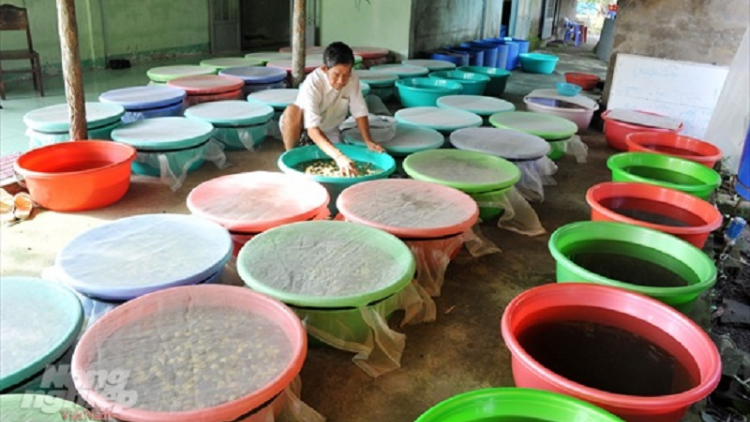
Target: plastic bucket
(472, 83)
(556, 106)
(513, 55)
(666, 171)
(615, 131)
(232, 136)
(655, 207)
(637, 314)
(490, 52)
(417, 92)
(743, 176)
(513, 405)
(77, 176)
(176, 161)
(523, 45)
(498, 78)
(476, 56)
(675, 145)
(666, 268)
(290, 160)
(459, 58)
(538, 63)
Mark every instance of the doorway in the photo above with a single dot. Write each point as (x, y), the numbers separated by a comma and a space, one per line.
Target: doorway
(266, 24)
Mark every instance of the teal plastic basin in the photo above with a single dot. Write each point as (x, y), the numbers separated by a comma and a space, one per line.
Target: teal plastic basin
(498, 78)
(422, 92)
(666, 171)
(515, 405)
(472, 83)
(538, 63)
(651, 247)
(37, 139)
(335, 185)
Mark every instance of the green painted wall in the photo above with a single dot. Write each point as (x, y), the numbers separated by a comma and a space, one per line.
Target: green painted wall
(134, 28)
(115, 28)
(376, 23)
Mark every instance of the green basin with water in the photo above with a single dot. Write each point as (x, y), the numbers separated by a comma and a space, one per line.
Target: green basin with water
(515, 405)
(634, 258)
(498, 78)
(666, 171)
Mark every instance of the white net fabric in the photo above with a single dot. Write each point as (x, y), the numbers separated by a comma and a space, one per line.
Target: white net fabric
(325, 259)
(505, 143)
(126, 252)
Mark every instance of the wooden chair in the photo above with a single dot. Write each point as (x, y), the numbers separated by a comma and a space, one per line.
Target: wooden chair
(14, 18)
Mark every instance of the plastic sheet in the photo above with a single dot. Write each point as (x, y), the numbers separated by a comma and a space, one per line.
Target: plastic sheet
(577, 149)
(433, 257)
(249, 137)
(518, 216)
(535, 174)
(381, 349)
(438, 118)
(477, 244)
(174, 175)
(382, 128)
(376, 106)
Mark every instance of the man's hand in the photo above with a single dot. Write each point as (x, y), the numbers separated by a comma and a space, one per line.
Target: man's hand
(346, 165)
(372, 146)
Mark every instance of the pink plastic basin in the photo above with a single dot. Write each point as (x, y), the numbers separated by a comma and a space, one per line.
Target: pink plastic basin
(638, 314)
(266, 400)
(615, 131)
(675, 145)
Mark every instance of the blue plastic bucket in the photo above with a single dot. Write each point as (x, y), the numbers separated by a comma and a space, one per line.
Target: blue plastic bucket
(459, 58)
(523, 45)
(502, 52)
(503, 31)
(490, 52)
(477, 49)
(513, 52)
(476, 56)
(743, 175)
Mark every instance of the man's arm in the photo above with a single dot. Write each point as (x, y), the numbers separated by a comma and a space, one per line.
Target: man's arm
(342, 161)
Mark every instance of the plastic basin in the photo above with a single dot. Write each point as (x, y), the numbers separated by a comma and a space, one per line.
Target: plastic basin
(512, 405)
(615, 131)
(498, 78)
(631, 312)
(666, 171)
(261, 399)
(567, 89)
(655, 207)
(578, 110)
(289, 161)
(586, 81)
(490, 203)
(419, 92)
(472, 83)
(675, 145)
(636, 254)
(538, 63)
(325, 308)
(77, 176)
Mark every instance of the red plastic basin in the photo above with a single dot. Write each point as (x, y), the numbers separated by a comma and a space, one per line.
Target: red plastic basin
(77, 176)
(615, 131)
(633, 312)
(675, 145)
(586, 81)
(695, 218)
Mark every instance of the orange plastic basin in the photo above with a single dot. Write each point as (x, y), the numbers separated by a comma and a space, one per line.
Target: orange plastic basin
(76, 176)
(670, 211)
(675, 145)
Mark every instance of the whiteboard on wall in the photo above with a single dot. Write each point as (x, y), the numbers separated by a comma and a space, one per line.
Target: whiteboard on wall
(684, 90)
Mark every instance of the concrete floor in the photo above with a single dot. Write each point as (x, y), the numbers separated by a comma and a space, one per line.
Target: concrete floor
(461, 351)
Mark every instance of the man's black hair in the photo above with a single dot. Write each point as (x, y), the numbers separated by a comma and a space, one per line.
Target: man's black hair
(338, 53)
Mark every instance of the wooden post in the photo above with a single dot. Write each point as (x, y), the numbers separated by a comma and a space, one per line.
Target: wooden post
(298, 42)
(71, 64)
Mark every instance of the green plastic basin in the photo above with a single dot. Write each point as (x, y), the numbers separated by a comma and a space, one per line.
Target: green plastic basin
(490, 203)
(648, 247)
(423, 92)
(335, 185)
(666, 171)
(473, 83)
(498, 78)
(515, 405)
